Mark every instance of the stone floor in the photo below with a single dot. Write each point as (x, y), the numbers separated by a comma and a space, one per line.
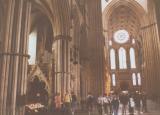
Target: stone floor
(153, 109)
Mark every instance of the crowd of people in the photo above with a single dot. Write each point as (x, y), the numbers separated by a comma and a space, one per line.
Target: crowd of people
(110, 104)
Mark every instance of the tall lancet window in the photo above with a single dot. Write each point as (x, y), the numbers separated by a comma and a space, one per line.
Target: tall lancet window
(139, 79)
(32, 47)
(134, 81)
(112, 59)
(122, 58)
(113, 80)
(132, 58)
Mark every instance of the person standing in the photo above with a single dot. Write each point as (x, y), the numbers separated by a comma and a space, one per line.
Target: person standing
(89, 102)
(58, 103)
(144, 102)
(110, 104)
(100, 105)
(67, 103)
(106, 104)
(131, 105)
(138, 102)
(124, 101)
(73, 102)
(115, 105)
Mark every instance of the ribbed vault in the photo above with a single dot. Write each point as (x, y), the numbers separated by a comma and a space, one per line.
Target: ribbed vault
(134, 7)
(123, 18)
(52, 9)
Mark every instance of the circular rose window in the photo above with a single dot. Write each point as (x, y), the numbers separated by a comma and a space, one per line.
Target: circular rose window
(121, 36)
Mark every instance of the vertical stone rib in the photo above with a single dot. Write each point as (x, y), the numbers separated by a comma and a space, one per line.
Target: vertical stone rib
(61, 34)
(11, 57)
(13, 73)
(151, 50)
(5, 58)
(96, 45)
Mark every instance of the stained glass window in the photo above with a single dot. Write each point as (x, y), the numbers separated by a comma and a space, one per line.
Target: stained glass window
(32, 47)
(121, 36)
(122, 58)
(132, 58)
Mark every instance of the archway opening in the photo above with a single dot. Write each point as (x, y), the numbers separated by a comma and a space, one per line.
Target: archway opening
(40, 44)
(37, 96)
(123, 36)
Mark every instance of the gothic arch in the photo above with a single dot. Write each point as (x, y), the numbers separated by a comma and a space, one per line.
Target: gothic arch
(41, 5)
(132, 4)
(40, 8)
(59, 18)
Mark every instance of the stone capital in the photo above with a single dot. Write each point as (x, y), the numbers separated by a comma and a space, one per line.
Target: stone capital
(62, 37)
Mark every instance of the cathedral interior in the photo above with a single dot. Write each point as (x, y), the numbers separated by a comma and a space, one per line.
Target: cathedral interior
(80, 46)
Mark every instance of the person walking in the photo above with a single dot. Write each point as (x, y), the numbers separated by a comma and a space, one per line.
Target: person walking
(124, 101)
(131, 105)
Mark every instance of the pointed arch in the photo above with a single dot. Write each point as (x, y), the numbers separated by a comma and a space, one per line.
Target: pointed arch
(112, 59)
(134, 5)
(36, 71)
(32, 47)
(113, 80)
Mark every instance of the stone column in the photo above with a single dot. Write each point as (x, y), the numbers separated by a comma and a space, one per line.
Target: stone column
(128, 58)
(95, 45)
(1, 29)
(117, 58)
(7, 102)
(151, 45)
(62, 52)
(61, 43)
(23, 59)
(11, 55)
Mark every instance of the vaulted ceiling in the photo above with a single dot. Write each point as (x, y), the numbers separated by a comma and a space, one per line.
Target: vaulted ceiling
(123, 18)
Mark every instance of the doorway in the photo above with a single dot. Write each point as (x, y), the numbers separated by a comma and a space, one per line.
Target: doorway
(124, 85)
